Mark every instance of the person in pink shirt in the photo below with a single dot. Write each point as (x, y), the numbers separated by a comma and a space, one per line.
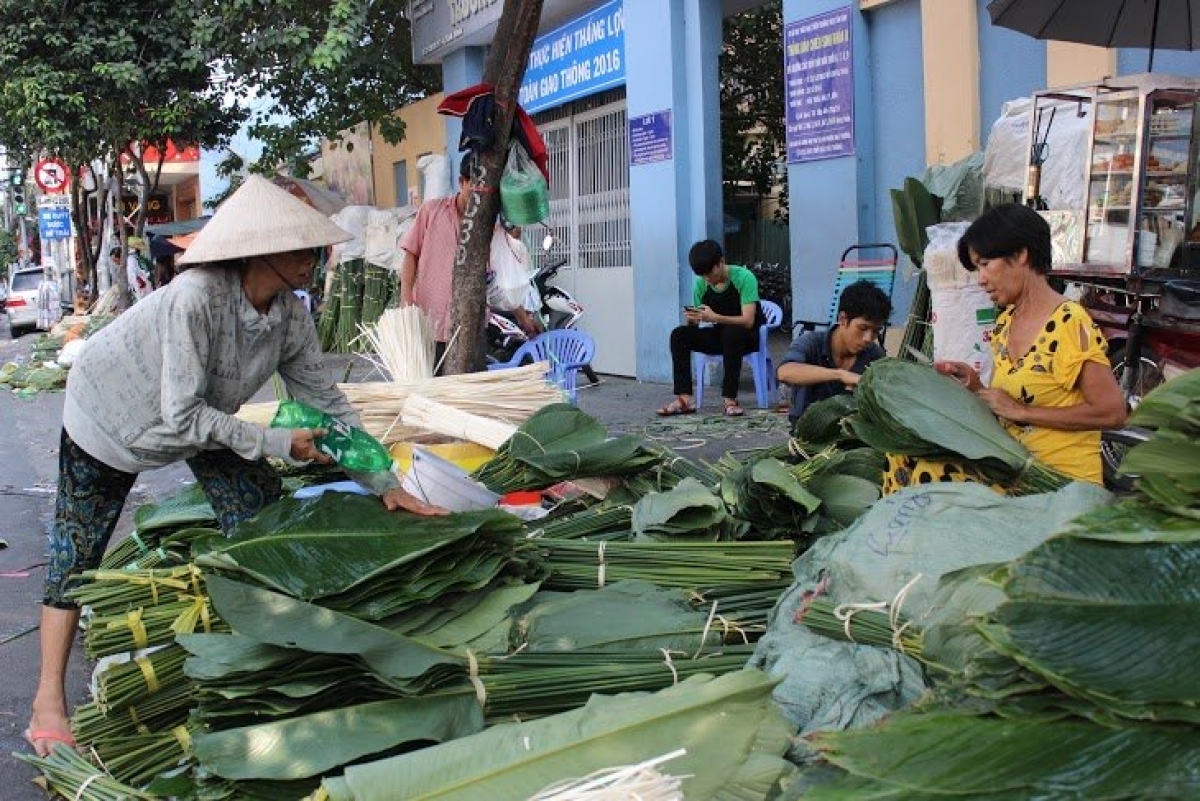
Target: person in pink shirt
(427, 271)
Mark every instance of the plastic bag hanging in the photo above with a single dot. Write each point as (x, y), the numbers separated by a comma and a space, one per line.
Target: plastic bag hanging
(524, 194)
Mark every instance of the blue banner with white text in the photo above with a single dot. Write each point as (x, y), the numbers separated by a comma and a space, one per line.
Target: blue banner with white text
(583, 57)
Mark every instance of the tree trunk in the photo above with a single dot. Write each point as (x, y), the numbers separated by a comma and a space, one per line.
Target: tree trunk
(504, 70)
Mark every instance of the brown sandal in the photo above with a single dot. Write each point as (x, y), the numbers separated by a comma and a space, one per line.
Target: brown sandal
(732, 409)
(675, 408)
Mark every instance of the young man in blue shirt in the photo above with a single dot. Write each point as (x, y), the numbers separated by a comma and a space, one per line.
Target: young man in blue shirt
(821, 364)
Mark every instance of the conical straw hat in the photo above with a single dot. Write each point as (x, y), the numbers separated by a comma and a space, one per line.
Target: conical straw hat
(260, 218)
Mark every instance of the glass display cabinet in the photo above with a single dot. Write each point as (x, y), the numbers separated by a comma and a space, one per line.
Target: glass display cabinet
(1141, 177)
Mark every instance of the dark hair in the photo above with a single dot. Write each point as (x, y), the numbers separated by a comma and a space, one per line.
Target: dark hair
(464, 166)
(864, 299)
(1004, 231)
(704, 256)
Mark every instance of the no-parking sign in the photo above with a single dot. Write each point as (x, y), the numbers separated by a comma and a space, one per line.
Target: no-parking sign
(51, 175)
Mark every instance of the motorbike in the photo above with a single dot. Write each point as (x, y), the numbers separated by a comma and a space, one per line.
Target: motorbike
(553, 306)
(1153, 337)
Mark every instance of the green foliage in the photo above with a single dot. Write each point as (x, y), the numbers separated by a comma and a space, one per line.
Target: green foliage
(913, 210)
(325, 66)
(85, 79)
(752, 119)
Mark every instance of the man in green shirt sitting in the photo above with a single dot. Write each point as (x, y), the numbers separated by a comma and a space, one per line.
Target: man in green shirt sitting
(723, 319)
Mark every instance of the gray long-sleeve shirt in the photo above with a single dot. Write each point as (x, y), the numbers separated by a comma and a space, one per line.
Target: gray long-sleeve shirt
(164, 380)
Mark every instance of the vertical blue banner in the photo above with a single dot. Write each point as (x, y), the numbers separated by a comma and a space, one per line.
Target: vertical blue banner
(818, 75)
(585, 56)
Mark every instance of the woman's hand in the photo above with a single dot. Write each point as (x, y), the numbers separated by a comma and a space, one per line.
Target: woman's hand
(399, 498)
(961, 372)
(1002, 404)
(304, 446)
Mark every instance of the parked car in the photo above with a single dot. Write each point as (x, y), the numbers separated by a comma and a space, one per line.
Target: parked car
(21, 307)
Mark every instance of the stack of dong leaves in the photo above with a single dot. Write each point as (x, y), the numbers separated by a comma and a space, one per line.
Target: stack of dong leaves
(328, 645)
(1069, 672)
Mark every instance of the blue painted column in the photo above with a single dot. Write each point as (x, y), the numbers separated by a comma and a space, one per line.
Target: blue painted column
(460, 69)
(832, 202)
(671, 51)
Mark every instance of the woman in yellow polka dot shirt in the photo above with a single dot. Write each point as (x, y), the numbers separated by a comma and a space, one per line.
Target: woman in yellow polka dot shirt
(1052, 386)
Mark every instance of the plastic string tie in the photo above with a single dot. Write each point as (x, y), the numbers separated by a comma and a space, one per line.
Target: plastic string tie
(142, 549)
(147, 669)
(183, 737)
(670, 665)
(137, 723)
(846, 612)
(473, 677)
(137, 628)
(84, 786)
(712, 613)
(600, 557)
(741, 632)
(894, 613)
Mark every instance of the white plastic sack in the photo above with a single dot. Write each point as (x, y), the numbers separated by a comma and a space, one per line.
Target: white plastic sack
(508, 276)
(962, 315)
(906, 541)
(70, 352)
(1006, 158)
(435, 177)
(353, 220)
(381, 237)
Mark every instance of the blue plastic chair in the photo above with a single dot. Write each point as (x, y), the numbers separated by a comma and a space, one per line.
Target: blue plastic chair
(765, 384)
(566, 349)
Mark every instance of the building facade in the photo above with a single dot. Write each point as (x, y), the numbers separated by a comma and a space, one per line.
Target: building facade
(626, 96)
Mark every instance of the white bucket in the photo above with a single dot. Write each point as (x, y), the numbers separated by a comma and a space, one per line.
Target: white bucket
(441, 482)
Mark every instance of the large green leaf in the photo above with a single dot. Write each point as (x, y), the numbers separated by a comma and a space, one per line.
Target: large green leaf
(937, 409)
(844, 498)
(313, 744)
(1112, 622)
(188, 507)
(275, 619)
(322, 546)
(933, 755)
(472, 615)
(721, 723)
(689, 509)
(1175, 404)
(1135, 520)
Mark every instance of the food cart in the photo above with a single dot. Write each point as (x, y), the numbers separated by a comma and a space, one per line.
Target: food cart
(1134, 245)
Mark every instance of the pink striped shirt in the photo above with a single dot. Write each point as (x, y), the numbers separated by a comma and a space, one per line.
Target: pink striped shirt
(432, 240)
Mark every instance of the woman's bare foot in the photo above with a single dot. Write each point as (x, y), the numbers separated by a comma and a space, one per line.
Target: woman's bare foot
(46, 729)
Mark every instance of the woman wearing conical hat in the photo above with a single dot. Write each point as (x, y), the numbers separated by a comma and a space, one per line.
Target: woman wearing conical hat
(162, 383)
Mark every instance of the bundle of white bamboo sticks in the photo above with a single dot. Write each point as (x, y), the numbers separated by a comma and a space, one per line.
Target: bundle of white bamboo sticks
(422, 413)
(510, 396)
(401, 342)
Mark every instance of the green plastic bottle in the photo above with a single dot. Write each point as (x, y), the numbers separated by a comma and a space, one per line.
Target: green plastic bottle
(350, 447)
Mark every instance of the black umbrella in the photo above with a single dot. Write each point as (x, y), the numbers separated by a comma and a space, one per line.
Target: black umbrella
(1169, 24)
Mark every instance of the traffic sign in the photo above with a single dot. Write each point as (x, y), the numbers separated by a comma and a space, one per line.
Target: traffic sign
(51, 175)
(54, 217)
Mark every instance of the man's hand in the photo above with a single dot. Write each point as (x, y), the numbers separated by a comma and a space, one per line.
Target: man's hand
(528, 323)
(398, 498)
(849, 379)
(304, 446)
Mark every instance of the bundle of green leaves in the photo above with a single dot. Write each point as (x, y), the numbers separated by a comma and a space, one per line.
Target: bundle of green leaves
(1168, 464)
(559, 443)
(911, 409)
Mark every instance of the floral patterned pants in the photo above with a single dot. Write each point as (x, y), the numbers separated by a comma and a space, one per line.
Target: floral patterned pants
(91, 495)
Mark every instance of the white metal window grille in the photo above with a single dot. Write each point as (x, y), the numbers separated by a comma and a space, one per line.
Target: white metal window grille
(588, 147)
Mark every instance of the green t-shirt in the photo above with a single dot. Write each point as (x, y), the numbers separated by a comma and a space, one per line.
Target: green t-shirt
(742, 279)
